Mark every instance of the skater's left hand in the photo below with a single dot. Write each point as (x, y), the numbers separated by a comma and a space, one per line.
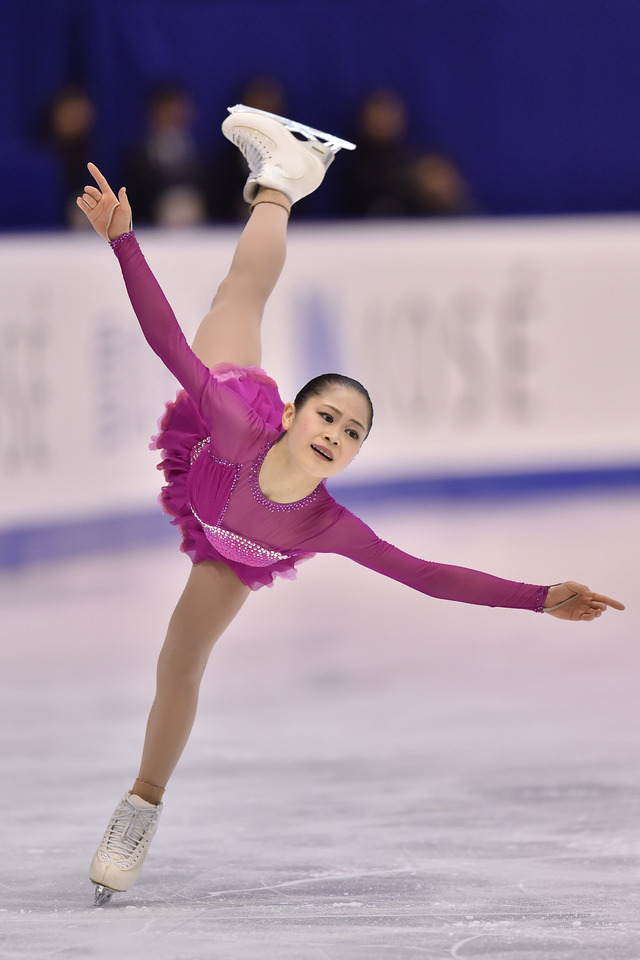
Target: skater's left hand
(577, 602)
(110, 216)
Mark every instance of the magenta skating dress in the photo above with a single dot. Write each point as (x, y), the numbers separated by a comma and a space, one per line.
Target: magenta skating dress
(215, 437)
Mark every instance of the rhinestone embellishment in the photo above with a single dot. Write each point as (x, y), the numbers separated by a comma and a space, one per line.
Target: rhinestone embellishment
(123, 236)
(234, 547)
(541, 597)
(197, 450)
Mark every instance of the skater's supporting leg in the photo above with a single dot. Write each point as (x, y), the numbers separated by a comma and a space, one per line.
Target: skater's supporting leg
(231, 330)
(211, 599)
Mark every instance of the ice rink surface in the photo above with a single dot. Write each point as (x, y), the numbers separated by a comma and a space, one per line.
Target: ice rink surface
(374, 775)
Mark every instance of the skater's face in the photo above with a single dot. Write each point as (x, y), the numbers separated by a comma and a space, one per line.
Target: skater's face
(326, 433)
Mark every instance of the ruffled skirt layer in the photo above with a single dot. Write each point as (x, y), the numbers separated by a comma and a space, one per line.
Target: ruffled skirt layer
(180, 430)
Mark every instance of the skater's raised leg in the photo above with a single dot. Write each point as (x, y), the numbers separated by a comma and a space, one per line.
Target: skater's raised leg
(230, 332)
(282, 170)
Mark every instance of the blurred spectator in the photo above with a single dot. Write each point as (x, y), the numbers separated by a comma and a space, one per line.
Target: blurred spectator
(230, 169)
(387, 177)
(440, 187)
(164, 174)
(67, 131)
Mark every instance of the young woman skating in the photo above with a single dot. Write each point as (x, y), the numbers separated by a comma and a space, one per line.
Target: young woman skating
(246, 472)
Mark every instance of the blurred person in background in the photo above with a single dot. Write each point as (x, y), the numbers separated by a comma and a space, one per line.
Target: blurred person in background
(67, 132)
(391, 178)
(165, 173)
(440, 187)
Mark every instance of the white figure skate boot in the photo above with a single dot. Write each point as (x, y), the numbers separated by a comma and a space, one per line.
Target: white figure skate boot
(277, 159)
(119, 858)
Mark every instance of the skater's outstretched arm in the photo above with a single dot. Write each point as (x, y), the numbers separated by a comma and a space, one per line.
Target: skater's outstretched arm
(157, 319)
(352, 538)
(111, 219)
(230, 332)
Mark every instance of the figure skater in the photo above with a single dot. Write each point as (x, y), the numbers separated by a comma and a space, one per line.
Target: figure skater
(246, 472)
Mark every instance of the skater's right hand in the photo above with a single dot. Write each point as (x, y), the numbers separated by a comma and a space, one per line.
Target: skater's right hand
(110, 216)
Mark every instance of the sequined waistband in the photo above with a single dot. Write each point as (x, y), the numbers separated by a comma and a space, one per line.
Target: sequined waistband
(234, 547)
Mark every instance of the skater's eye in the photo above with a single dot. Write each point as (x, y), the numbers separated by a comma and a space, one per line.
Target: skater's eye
(353, 434)
(327, 417)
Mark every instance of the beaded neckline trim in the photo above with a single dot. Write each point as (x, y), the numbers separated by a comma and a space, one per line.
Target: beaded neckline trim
(254, 484)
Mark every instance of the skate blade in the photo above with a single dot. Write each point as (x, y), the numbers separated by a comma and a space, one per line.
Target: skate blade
(102, 894)
(334, 143)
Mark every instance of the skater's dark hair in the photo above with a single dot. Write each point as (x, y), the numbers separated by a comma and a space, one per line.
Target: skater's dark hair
(319, 384)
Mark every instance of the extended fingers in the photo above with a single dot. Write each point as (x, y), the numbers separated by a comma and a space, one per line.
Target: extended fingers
(99, 178)
(583, 604)
(596, 600)
(608, 601)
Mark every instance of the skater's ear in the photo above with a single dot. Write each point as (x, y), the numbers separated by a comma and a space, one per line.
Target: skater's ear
(288, 415)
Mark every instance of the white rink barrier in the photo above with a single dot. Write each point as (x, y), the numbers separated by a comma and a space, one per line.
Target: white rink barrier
(489, 347)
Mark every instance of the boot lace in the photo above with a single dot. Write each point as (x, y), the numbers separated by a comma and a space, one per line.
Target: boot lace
(254, 147)
(125, 834)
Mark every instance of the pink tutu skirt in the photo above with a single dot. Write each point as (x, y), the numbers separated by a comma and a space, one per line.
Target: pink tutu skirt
(180, 430)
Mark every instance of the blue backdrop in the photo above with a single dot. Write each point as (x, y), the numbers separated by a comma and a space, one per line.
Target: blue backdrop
(536, 100)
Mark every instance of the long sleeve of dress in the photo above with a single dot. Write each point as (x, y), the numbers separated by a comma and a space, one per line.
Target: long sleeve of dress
(352, 538)
(222, 410)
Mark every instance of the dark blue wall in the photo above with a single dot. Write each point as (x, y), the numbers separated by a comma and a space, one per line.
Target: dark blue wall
(536, 100)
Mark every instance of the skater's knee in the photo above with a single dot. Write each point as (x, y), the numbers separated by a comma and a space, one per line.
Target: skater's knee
(185, 658)
(242, 287)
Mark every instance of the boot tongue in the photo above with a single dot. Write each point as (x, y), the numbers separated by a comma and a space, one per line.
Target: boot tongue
(139, 803)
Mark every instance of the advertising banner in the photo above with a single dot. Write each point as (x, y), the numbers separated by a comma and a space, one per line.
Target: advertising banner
(487, 347)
